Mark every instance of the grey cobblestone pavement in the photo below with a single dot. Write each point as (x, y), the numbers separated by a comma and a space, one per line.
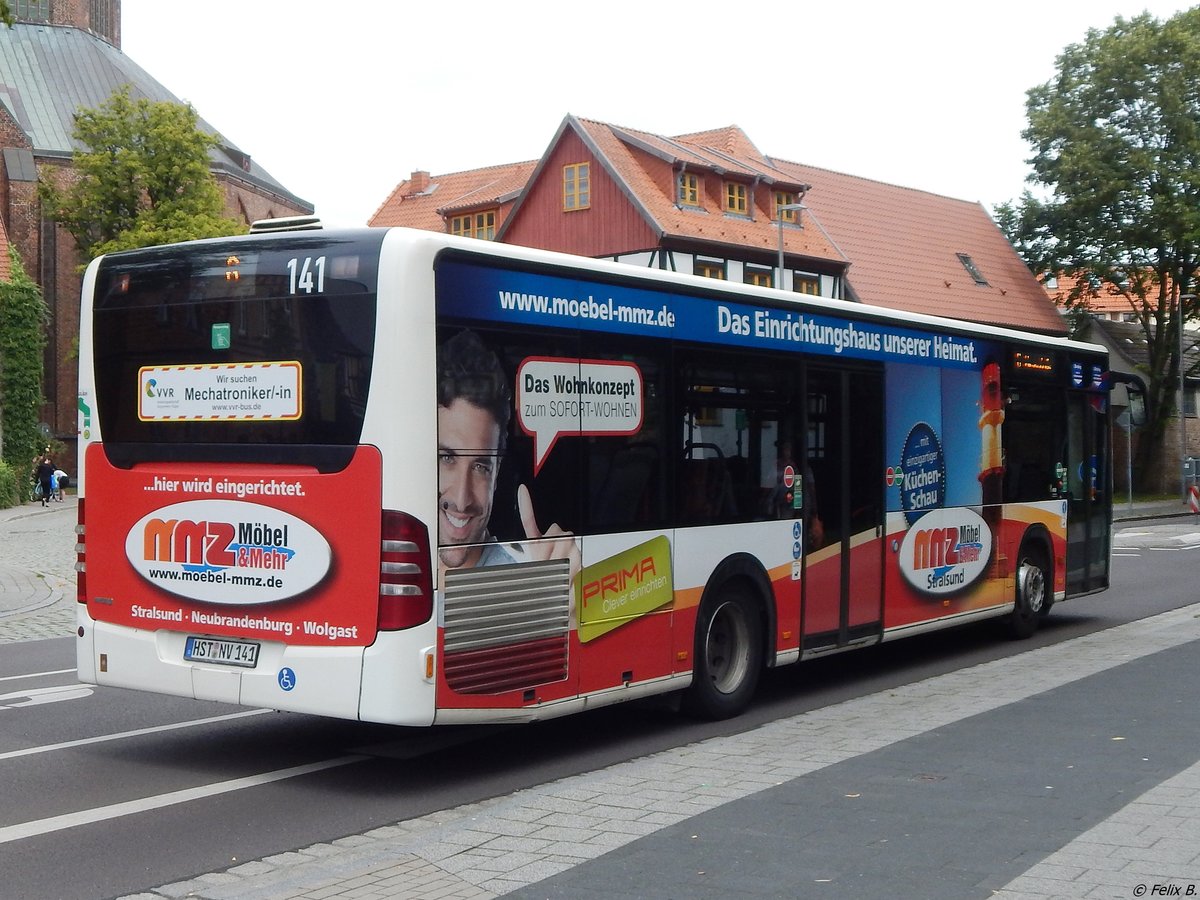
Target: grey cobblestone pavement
(596, 834)
(37, 571)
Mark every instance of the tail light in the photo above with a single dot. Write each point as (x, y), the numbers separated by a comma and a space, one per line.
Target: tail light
(80, 558)
(405, 579)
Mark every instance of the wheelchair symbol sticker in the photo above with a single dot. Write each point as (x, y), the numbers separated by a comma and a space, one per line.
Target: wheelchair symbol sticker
(287, 678)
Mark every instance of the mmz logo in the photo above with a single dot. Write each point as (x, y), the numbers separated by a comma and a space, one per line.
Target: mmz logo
(198, 546)
(227, 551)
(946, 551)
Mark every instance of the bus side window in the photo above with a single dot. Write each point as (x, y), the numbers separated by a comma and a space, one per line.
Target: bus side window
(626, 485)
(1032, 441)
(705, 486)
(624, 491)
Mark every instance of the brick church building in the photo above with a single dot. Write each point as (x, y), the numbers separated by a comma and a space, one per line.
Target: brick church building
(59, 57)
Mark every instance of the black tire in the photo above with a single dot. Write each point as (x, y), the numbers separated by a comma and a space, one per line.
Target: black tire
(728, 654)
(1034, 591)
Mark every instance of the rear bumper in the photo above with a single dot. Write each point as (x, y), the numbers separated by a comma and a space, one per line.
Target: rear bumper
(380, 683)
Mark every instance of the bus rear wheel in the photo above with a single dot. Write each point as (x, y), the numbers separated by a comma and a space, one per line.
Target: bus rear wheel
(1033, 591)
(728, 655)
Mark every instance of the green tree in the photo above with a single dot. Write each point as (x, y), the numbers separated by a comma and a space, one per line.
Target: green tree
(1116, 150)
(22, 337)
(6, 15)
(141, 177)
(1116, 143)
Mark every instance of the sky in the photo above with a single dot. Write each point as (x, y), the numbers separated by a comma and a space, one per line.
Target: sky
(340, 102)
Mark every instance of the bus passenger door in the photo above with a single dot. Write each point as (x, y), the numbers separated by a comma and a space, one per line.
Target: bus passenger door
(843, 569)
(1088, 501)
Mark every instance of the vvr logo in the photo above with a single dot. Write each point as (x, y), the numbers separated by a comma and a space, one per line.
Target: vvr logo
(153, 390)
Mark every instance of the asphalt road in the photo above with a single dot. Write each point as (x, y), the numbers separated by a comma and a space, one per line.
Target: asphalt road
(109, 792)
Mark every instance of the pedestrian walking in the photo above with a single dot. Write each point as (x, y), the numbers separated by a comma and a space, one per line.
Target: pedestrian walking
(45, 478)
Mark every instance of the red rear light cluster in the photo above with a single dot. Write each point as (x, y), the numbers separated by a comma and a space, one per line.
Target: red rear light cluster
(80, 558)
(405, 579)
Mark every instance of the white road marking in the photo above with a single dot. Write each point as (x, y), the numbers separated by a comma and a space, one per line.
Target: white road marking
(39, 696)
(35, 674)
(10, 833)
(155, 729)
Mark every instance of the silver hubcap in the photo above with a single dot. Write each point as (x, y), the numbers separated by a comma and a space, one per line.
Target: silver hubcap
(727, 648)
(1032, 584)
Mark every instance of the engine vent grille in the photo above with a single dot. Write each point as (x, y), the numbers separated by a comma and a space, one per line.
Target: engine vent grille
(507, 627)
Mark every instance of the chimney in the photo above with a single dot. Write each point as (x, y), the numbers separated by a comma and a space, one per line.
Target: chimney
(418, 183)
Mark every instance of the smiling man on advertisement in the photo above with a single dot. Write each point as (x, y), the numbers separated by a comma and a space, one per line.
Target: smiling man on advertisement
(474, 408)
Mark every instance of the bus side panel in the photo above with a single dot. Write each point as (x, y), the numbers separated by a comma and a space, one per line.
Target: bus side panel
(1048, 517)
(626, 602)
(949, 562)
(634, 612)
(699, 552)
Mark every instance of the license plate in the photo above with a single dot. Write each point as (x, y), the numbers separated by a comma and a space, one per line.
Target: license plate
(225, 653)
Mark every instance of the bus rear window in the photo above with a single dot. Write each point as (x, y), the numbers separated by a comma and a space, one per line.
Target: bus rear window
(247, 353)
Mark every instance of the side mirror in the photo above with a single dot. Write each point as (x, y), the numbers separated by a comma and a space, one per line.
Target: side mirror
(1135, 389)
(1137, 405)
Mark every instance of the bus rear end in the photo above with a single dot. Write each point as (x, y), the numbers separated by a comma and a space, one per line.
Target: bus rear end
(232, 542)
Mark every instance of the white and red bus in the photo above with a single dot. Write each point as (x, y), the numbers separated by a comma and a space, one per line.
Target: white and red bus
(401, 477)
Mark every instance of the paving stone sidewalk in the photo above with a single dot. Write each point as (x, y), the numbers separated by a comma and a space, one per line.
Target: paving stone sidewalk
(37, 571)
(522, 843)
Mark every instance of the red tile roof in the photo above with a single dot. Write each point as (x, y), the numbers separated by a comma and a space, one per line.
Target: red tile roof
(1105, 299)
(904, 244)
(631, 155)
(419, 202)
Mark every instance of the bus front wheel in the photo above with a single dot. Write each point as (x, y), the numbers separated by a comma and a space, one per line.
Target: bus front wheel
(1033, 591)
(728, 655)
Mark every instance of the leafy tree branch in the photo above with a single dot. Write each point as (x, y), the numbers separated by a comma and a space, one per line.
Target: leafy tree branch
(141, 177)
(1116, 158)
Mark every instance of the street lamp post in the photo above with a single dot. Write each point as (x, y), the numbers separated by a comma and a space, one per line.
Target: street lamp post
(779, 211)
(1183, 488)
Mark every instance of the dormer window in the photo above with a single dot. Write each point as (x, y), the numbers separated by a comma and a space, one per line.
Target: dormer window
(785, 199)
(577, 187)
(735, 198)
(480, 225)
(806, 283)
(689, 189)
(758, 276)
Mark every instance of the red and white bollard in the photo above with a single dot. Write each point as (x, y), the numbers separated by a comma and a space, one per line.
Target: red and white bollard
(1194, 499)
